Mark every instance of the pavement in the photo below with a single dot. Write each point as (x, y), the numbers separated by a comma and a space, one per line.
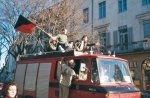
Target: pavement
(145, 95)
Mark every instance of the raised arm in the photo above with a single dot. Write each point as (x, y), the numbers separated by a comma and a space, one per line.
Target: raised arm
(52, 37)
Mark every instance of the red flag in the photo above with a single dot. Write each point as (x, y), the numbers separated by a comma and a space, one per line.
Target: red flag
(24, 25)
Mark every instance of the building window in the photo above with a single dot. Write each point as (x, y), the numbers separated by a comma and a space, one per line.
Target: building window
(145, 2)
(86, 15)
(103, 39)
(122, 5)
(146, 27)
(123, 35)
(102, 9)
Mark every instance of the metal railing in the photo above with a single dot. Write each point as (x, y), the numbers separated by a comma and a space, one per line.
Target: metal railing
(137, 46)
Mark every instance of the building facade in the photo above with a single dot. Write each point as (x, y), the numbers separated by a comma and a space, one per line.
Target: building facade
(122, 26)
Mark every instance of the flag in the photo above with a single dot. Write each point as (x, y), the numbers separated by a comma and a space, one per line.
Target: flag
(24, 25)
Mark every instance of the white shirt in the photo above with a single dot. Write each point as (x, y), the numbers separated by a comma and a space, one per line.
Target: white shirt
(66, 75)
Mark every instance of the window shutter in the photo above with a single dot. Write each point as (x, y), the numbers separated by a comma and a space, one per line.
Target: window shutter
(130, 35)
(107, 38)
(115, 36)
(146, 26)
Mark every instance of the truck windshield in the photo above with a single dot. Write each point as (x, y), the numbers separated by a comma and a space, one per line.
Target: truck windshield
(111, 71)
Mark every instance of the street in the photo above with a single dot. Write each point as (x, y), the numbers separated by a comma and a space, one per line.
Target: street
(145, 95)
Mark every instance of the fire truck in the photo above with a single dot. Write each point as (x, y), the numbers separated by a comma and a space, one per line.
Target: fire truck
(100, 76)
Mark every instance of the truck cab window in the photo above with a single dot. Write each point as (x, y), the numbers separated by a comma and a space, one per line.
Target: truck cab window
(113, 71)
(83, 71)
(80, 69)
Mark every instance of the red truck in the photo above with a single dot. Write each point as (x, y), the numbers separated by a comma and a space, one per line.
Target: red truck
(100, 76)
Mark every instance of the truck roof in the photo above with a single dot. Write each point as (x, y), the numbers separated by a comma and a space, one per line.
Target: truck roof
(56, 54)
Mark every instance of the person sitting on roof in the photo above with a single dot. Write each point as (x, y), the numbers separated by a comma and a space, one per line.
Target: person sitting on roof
(53, 45)
(83, 44)
(70, 45)
(61, 38)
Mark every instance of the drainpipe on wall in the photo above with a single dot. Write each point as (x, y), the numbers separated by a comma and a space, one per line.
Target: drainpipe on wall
(92, 21)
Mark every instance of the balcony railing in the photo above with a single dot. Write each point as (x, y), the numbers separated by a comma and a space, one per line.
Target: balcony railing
(132, 47)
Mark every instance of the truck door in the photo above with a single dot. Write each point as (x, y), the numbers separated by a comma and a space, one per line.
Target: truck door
(84, 87)
(54, 81)
(90, 86)
(76, 90)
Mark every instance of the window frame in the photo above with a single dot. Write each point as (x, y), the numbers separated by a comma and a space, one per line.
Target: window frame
(95, 78)
(123, 36)
(144, 23)
(103, 37)
(78, 61)
(102, 10)
(122, 6)
(86, 15)
(145, 2)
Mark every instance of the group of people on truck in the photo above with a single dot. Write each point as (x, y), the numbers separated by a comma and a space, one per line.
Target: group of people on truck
(60, 42)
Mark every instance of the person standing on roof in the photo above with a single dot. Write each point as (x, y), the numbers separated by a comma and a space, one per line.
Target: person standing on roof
(61, 38)
(67, 74)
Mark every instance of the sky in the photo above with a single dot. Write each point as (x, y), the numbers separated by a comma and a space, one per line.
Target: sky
(2, 62)
(7, 28)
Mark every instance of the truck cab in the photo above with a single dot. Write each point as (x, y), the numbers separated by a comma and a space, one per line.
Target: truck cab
(100, 76)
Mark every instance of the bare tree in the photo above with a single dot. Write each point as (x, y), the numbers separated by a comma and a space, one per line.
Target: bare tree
(13, 42)
(66, 13)
(10, 10)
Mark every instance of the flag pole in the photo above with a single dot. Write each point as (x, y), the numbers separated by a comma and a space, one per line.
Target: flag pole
(42, 30)
(48, 34)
